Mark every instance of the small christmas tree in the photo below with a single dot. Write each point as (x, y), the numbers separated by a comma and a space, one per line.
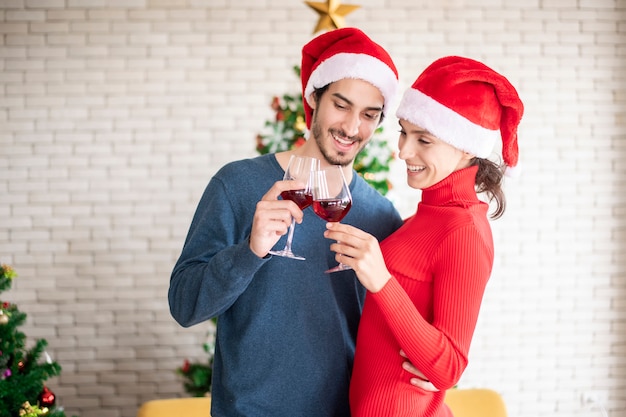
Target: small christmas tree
(22, 376)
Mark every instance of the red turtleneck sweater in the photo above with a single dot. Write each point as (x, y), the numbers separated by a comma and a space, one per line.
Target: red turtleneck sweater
(440, 259)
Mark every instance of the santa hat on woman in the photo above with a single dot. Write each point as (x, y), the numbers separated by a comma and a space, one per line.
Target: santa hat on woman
(468, 105)
(345, 53)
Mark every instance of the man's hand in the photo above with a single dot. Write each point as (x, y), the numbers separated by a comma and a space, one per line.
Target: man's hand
(420, 379)
(272, 218)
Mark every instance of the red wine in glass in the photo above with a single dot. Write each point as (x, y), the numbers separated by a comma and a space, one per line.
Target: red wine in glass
(303, 198)
(299, 168)
(331, 198)
(332, 210)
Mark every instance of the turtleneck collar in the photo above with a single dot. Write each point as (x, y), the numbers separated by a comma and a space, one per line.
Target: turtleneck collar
(456, 188)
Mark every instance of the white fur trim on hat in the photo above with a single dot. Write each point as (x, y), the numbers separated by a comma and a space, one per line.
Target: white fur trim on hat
(358, 66)
(513, 172)
(446, 124)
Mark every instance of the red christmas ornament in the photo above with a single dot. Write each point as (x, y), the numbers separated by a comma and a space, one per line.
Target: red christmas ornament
(46, 398)
(275, 103)
(299, 142)
(186, 366)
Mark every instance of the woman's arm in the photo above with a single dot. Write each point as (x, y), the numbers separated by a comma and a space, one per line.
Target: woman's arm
(438, 349)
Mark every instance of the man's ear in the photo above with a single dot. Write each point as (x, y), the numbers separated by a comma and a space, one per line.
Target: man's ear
(312, 102)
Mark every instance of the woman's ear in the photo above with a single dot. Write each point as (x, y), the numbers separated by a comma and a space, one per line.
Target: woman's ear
(465, 161)
(468, 156)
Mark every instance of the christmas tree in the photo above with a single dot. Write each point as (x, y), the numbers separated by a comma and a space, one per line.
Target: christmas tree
(22, 374)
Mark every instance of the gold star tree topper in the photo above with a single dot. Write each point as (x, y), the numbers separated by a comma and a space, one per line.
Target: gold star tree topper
(331, 14)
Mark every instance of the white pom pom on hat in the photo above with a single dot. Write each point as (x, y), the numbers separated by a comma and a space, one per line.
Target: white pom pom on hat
(468, 105)
(346, 53)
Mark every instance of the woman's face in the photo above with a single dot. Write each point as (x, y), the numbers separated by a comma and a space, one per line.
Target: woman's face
(428, 159)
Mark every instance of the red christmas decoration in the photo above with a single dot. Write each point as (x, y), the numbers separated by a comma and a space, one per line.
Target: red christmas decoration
(186, 366)
(47, 398)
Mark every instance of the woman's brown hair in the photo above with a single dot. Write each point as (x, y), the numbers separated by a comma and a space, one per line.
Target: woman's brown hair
(489, 181)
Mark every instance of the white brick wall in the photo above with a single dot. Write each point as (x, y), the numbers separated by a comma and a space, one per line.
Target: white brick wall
(114, 114)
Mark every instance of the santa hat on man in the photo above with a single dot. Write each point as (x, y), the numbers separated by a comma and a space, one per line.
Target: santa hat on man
(468, 105)
(345, 53)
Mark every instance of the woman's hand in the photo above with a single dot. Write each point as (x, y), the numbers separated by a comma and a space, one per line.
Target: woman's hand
(361, 251)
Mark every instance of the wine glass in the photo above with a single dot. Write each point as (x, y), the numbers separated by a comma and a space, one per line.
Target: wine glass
(300, 169)
(331, 198)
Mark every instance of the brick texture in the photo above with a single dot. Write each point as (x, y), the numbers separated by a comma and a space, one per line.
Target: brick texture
(115, 114)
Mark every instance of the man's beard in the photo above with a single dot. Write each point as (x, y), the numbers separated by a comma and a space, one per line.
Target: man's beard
(341, 158)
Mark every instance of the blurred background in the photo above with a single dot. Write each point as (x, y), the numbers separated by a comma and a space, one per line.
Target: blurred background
(114, 114)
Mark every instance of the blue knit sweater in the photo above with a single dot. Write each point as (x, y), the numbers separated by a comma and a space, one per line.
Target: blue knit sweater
(287, 331)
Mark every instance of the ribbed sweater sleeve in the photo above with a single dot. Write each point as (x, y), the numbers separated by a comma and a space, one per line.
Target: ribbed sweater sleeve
(461, 264)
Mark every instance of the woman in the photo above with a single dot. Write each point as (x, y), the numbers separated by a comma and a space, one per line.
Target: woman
(426, 281)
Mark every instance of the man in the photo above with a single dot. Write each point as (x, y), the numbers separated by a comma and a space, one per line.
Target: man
(286, 334)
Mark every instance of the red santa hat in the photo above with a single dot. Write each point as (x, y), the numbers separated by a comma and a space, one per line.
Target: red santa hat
(345, 53)
(468, 105)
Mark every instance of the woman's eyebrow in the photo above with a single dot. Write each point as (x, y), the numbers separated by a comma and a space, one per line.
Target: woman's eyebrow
(420, 131)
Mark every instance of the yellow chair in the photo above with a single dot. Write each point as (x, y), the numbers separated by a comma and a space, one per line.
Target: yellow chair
(176, 407)
(475, 402)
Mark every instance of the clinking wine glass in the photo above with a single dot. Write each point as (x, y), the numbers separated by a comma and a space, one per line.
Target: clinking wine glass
(331, 198)
(299, 169)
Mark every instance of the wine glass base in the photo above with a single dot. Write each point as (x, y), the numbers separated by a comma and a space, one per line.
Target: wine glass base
(287, 254)
(340, 267)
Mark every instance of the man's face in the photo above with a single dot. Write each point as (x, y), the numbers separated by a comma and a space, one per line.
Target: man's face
(345, 118)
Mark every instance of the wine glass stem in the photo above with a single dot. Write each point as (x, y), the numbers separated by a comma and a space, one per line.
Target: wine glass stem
(290, 235)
